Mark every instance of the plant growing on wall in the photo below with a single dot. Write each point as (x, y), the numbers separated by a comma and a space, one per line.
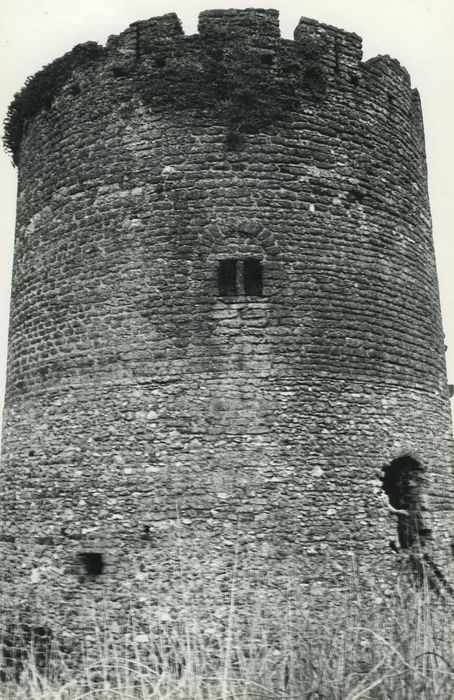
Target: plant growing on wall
(40, 91)
(246, 89)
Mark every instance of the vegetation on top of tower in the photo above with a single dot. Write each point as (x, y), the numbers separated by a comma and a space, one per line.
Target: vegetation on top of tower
(40, 90)
(243, 87)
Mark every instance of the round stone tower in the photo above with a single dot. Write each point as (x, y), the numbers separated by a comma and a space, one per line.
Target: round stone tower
(225, 323)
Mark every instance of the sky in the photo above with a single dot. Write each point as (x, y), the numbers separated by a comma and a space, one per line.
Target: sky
(417, 32)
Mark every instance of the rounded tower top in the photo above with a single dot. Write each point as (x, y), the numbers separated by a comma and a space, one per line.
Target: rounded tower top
(196, 71)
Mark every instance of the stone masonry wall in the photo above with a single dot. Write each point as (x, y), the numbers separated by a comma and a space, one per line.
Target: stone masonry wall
(143, 409)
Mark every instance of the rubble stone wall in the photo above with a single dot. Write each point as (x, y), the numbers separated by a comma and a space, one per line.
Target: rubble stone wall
(143, 409)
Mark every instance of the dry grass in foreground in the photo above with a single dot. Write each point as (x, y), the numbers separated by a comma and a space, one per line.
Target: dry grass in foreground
(398, 649)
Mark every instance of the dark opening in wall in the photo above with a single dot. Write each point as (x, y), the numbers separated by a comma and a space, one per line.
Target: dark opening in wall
(46, 541)
(160, 62)
(227, 285)
(355, 196)
(314, 79)
(403, 483)
(253, 277)
(92, 562)
(240, 277)
(74, 89)
(119, 71)
(267, 59)
(391, 100)
(145, 532)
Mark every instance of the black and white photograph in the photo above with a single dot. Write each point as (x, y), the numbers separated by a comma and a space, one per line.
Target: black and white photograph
(226, 350)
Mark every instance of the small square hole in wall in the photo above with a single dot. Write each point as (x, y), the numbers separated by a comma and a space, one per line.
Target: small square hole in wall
(119, 71)
(92, 562)
(267, 59)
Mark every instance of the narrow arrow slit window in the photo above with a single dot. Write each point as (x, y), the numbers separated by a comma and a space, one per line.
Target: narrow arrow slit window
(227, 278)
(253, 277)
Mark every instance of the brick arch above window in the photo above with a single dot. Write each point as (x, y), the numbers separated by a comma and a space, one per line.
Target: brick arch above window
(239, 239)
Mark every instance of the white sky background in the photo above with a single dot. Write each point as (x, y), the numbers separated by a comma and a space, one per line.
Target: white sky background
(417, 32)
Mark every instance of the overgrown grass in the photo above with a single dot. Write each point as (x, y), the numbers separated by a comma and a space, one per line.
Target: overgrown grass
(398, 648)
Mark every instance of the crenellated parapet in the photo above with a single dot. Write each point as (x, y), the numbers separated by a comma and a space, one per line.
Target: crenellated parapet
(258, 30)
(146, 37)
(388, 80)
(237, 68)
(339, 50)
(256, 27)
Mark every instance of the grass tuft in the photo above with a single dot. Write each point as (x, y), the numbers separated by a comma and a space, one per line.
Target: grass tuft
(400, 648)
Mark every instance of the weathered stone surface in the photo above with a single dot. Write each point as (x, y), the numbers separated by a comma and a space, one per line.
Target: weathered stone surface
(149, 419)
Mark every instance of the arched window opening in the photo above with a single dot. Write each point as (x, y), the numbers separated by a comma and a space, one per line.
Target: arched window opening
(403, 481)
